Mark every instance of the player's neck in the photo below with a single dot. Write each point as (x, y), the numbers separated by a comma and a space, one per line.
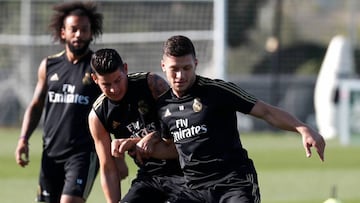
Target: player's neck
(73, 58)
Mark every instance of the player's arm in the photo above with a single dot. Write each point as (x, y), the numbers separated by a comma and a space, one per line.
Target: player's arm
(32, 116)
(135, 146)
(165, 149)
(147, 143)
(109, 175)
(141, 148)
(285, 121)
(152, 145)
(159, 148)
(157, 85)
(120, 146)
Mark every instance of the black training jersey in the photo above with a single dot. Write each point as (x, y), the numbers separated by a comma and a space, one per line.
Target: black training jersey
(71, 92)
(203, 125)
(134, 116)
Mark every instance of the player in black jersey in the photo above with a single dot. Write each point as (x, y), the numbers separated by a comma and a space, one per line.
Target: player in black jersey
(199, 115)
(65, 89)
(127, 111)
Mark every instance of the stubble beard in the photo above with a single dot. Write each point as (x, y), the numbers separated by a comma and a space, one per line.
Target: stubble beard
(79, 51)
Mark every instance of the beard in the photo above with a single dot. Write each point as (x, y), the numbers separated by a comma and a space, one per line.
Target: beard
(79, 51)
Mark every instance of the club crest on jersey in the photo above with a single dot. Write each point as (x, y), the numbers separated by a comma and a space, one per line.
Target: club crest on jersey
(115, 124)
(197, 105)
(86, 80)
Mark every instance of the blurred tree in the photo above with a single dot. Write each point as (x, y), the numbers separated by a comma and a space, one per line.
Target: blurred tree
(242, 16)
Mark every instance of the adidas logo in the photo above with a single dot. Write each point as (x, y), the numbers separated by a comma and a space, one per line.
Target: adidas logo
(167, 113)
(54, 77)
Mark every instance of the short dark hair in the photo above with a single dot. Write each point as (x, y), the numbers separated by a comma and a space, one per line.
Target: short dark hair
(178, 45)
(77, 8)
(105, 61)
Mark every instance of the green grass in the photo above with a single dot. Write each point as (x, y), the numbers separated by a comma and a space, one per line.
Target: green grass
(285, 174)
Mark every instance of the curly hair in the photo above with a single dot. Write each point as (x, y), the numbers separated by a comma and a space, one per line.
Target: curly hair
(76, 8)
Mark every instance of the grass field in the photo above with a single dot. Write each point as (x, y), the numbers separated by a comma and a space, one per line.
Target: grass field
(285, 174)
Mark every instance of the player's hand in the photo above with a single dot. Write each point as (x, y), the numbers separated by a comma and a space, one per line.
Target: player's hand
(147, 144)
(310, 139)
(22, 153)
(120, 146)
(145, 147)
(117, 148)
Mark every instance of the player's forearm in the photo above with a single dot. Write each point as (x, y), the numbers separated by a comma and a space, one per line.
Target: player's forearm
(31, 119)
(164, 150)
(276, 117)
(110, 184)
(284, 121)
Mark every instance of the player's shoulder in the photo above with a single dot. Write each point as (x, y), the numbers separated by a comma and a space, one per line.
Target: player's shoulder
(99, 101)
(137, 82)
(56, 55)
(137, 76)
(55, 58)
(202, 80)
(221, 87)
(166, 98)
(212, 83)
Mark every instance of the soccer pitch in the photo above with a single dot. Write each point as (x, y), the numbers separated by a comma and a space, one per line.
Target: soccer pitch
(285, 174)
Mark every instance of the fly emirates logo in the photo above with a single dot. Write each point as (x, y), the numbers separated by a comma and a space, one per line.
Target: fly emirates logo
(68, 96)
(139, 130)
(185, 131)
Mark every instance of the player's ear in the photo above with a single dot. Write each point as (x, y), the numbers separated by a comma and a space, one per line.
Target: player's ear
(93, 76)
(162, 64)
(62, 33)
(125, 68)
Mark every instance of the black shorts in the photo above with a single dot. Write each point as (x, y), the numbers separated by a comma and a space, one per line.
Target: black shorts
(155, 189)
(74, 175)
(231, 189)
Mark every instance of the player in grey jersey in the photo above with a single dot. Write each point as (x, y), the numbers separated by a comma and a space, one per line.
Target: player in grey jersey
(199, 116)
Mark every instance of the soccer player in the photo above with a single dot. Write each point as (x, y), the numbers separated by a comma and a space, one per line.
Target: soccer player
(65, 89)
(199, 115)
(127, 110)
